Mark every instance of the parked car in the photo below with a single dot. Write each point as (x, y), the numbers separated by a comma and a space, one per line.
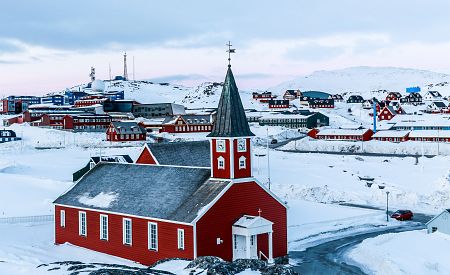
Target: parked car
(273, 141)
(402, 215)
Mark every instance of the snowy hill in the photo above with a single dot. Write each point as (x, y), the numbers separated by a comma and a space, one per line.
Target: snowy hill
(368, 81)
(205, 95)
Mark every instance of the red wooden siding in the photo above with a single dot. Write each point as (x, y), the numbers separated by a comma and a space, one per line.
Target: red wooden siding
(221, 173)
(138, 251)
(241, 199)
(247, 172)
(145, 157)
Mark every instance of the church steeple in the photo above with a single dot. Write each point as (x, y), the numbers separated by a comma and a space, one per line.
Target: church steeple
(231, 120)
(231, 134)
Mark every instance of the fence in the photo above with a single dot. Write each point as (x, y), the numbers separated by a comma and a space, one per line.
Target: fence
(27, 219)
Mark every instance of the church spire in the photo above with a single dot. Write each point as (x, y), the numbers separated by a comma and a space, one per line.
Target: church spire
(231, 120)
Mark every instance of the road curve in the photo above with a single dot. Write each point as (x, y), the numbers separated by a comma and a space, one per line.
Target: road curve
(328, 258)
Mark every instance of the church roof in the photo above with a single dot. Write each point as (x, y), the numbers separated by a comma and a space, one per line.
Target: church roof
(231, 120)
(190, 153)
(163, 192)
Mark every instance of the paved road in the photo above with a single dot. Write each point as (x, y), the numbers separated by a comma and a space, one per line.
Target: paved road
(328, 258)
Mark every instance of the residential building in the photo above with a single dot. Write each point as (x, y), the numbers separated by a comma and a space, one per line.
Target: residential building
(125, 131)
(158, 110)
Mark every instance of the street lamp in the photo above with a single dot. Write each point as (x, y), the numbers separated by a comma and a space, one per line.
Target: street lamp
(387, 206)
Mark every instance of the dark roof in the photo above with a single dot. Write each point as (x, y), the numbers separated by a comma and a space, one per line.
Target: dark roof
(439, 104)
(7, 133)
(116, 158)
(128, 128)
(192, 153)
(162, 192)
(231, 120)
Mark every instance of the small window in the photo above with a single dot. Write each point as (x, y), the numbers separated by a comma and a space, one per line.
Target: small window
(127, 231)
(62, 219)
(220, 145)
(181, 239)
(242, 163)
(103, 227)
(221, 163)
(82, 223)
(242, 145)
(152, 236)
(252, 240)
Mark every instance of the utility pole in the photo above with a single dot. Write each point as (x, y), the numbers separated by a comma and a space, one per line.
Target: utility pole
(387, 206)
(134, 76)
(268, 158)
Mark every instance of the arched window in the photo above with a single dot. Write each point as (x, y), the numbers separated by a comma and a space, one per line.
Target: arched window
(242, 163)
(220, 162)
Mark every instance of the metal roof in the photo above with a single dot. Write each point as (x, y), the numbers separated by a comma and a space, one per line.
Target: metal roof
(231, 120)
(162, 192)
(191, 153)
(130, 127)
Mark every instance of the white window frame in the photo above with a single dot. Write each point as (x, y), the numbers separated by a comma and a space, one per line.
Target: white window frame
(62, 218)
(124, 231)
(152, 245)
(221, 163)
(180, 238)
(221, 141)
(244, 142)
(82, 231)
(104, 224)
(242, 160)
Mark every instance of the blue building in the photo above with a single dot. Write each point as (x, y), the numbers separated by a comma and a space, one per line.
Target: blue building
(8, 135)
(53, 99)
(19, 104)
(71, 96)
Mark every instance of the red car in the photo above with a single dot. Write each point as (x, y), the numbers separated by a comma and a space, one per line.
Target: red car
(402, 215)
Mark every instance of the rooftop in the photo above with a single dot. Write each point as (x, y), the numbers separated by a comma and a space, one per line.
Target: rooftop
(162, 192)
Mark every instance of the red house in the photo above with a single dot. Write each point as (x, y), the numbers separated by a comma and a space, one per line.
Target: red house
(391, 135)
(345, 134)
(125, 131)
(387, 113)
(90, 100)
(180, 124)
(263, 97)
(146, 213)
(278, 104)
(393, 96)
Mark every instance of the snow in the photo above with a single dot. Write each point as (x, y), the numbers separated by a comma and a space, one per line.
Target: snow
(412, 252)
(368, 81)
(414, 148)
(102, 200)
(343, 132)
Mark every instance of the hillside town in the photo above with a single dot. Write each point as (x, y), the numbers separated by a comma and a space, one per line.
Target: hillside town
(250, 138)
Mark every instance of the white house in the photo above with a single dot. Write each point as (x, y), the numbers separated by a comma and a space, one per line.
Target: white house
(436, 107)
(432, 95)
(440, 223)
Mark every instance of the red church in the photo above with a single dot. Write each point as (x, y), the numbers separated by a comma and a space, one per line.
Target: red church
(183, 203)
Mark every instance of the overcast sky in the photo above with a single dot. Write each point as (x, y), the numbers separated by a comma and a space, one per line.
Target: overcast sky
(50, 45)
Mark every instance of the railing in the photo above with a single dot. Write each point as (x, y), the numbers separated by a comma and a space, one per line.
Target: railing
(27, 219)
(262, 254)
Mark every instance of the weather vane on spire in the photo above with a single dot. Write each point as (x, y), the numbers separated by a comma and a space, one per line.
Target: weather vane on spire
(230, 51)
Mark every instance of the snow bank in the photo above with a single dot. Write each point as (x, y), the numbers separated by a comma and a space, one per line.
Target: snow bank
(412, 252)
(373, 146)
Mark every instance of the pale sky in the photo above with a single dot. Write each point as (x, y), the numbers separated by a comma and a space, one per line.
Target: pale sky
(49, 45)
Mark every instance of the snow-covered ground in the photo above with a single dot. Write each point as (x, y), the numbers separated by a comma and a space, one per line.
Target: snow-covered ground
(412, 252)
(373, 146)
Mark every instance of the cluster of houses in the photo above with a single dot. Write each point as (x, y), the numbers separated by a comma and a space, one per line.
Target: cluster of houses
(424, 127)
(179, 200)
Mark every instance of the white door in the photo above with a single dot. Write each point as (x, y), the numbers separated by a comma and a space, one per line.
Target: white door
(239, 247)
(254, 247)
